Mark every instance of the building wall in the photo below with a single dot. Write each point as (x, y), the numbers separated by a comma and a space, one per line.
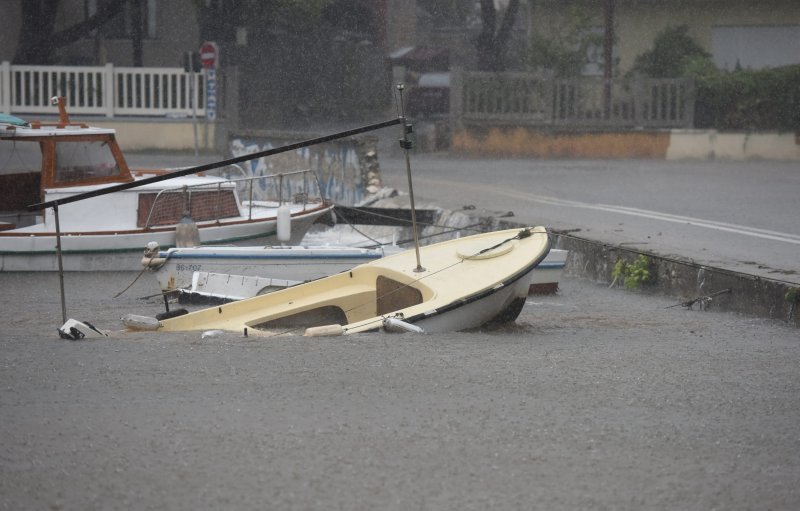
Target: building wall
(177, 31)
(10, 23)
(638, 21)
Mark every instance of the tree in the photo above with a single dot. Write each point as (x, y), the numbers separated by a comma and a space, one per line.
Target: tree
(492, 41)
(672, 52)
(219, 19)
(448, 12)
(567, 50)
(494, 23)
(38, 39)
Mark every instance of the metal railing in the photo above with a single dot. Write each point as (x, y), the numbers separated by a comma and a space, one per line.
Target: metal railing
(102, 90)
(299, 192)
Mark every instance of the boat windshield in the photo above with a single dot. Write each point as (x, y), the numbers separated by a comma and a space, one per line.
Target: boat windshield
(20, 157)
(78, 161)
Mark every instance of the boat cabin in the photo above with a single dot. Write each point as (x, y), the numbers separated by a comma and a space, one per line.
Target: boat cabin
(36, 156)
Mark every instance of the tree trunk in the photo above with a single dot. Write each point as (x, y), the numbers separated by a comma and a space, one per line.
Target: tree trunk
(38, 20)
(37, 37)
(492, 41)
(136, 32)
(485, 41)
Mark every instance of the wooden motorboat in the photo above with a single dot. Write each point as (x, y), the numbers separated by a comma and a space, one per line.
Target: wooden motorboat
(52, 162)
(454, 285)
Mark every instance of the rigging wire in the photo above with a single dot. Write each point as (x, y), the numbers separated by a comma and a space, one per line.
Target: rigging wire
(447, 228)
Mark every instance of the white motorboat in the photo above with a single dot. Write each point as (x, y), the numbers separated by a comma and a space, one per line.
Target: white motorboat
(52, 162)
(547, 274)
(269, 267)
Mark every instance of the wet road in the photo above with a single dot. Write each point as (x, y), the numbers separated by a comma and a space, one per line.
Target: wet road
(597, 399)
(738, 215)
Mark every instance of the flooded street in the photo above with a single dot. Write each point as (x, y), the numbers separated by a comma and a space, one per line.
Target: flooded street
(596, 398)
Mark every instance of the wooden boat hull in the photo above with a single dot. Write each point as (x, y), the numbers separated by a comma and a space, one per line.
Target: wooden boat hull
(463, 283)
(122, 251)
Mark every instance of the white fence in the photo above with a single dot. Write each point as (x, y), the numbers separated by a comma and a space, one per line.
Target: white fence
(102, 90)
(589, 102)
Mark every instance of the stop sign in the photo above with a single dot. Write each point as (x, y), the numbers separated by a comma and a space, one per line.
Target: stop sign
(208, 55)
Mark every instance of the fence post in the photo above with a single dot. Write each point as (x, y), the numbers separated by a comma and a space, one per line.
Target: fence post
(109, 89)
(5, 87)
(690, 97)
(637, 92)
(456, 100)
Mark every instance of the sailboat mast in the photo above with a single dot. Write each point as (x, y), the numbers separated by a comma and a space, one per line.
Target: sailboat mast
(405, 143)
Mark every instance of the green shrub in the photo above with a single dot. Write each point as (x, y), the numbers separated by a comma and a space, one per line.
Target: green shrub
(673, 49)
(740, 100)
(760, 100)
(633, 274)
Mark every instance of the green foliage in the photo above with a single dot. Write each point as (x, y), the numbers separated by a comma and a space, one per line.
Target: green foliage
(566, 50)
(448, 12)
(757, 100)
(766, 99)
(632, 274)
(673, 51)
(792, 295)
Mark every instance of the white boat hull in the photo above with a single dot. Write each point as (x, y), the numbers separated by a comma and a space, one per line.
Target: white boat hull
(479, 312)
(548, 273)
(122, 251)
(176, 266)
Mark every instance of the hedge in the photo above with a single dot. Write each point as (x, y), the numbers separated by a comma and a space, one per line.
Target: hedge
(763, 100)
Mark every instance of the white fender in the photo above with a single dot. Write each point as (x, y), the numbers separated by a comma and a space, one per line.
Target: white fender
(320, 331)
(135, 322)
(284, 223)
(398, 325)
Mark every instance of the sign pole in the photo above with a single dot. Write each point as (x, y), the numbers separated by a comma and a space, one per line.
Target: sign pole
(191, 65)
(193, 99)
(209, 58)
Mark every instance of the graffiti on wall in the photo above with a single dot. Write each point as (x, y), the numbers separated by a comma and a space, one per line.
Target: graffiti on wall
(346, 171)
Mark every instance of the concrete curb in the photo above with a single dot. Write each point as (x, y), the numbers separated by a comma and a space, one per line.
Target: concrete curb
(683, 279)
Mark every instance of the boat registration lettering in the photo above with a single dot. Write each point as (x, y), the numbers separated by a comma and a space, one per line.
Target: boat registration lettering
(188, 267)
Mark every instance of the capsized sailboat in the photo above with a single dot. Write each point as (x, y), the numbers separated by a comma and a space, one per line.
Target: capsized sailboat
(462, 283)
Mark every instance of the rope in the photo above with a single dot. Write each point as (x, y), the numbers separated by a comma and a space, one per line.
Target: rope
(145, 267)
(131, 284)
(379, 215)
(377, 243)
(447, 229)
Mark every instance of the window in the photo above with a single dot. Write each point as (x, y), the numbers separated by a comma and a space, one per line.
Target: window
(121, 25)
(84, 161)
